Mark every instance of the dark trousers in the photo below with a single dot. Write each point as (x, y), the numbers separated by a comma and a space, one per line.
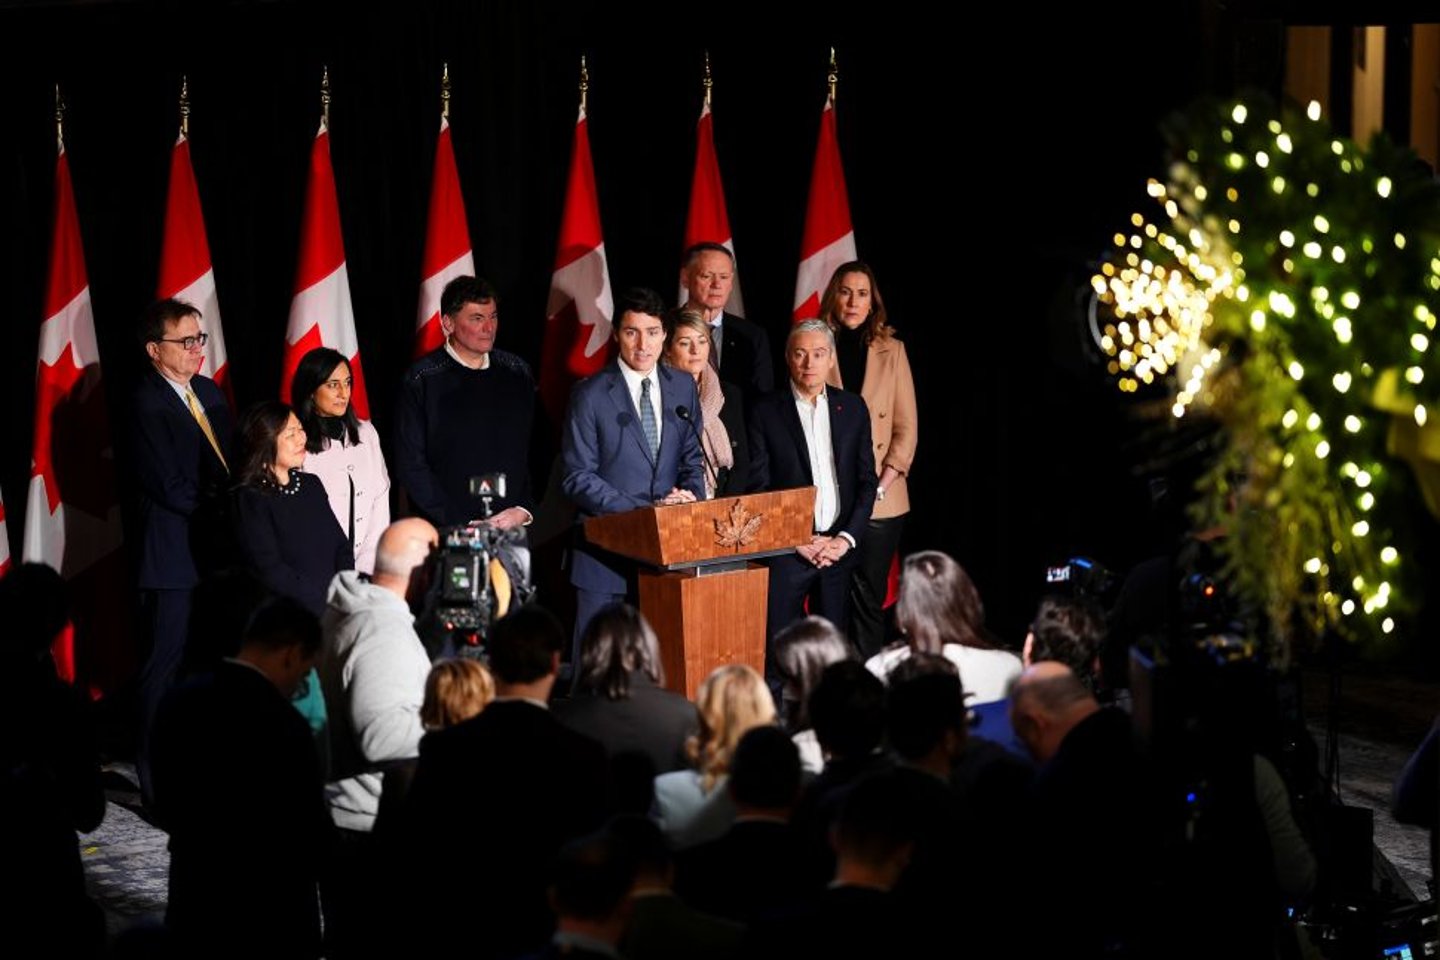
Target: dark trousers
(868, 584)
(347, 892)
(792, 582)
(169, 615)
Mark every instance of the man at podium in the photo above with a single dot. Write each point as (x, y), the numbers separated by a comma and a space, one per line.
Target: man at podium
(631, 439)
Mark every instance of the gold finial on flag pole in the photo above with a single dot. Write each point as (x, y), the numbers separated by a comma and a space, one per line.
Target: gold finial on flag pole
(709, 81)
(584, 82)
(325, 97)
(445, 91)
(834, 75)
(184, 106)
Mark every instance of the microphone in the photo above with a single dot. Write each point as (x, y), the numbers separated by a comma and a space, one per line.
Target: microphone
(683, 412)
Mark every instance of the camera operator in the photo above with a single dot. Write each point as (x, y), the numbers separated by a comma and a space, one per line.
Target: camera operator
(373, 671)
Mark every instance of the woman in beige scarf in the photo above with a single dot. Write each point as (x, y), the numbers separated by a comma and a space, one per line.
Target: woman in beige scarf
(722, 414)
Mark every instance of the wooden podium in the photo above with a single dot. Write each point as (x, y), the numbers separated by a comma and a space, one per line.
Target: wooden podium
(704, 595)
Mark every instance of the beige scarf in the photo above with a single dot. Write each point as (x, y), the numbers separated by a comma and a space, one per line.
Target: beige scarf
(717, 440)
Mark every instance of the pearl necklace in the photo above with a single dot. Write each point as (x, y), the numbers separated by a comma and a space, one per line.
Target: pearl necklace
(290, 489)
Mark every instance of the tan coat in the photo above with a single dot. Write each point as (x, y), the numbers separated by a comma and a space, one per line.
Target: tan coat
(889, 392)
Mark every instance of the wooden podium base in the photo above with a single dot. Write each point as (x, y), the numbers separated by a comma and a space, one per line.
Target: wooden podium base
(706, 620)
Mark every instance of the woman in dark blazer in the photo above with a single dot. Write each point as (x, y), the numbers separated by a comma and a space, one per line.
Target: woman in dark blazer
(287, 533)
(622, 704)
(722, 409)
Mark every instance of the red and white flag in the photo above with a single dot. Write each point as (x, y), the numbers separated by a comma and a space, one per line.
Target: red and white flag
(707, 221)
(72, 514)
(4, 541)
(320, 313)
(577, 326)
(185, 270)
(829, 239)
(447, 244)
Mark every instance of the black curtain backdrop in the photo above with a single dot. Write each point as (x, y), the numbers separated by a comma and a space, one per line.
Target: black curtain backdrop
(987, 162)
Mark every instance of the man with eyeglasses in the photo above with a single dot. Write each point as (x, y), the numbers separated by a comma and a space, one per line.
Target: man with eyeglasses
(182, 434)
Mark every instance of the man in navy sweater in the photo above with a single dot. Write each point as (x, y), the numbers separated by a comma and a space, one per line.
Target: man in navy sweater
(466, 409)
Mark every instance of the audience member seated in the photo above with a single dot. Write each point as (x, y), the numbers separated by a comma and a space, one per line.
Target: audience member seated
(757, 866)
(455, 690)
(662, 926)
(513, 785)
(233, 760)
(938, 610)
(1092, 807)
(1068, 630)
(621, 702)
(590, 894)
(52, 775)
(692, 805)
(802, 651)
(847, 709)
(857, 915)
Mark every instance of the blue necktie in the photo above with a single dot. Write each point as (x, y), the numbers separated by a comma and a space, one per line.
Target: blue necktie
(647, 420)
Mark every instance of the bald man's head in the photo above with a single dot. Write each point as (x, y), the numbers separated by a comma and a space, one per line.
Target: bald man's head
(404, 547)
(1046, 703)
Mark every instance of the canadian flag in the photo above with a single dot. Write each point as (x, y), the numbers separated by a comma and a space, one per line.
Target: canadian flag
(447, 244)
(707, 221)
(72, 514)
(185, 270)
(577, 326)
(829, 239)
(320, 314)
(4, 541)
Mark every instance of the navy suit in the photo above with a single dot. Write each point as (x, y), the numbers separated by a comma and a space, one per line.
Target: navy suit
(608, 467)
(183, 528)
(780, 459)
(745, 357)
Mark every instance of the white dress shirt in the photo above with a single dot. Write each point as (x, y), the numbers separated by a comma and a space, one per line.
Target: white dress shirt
(632, 384)
(815, 423)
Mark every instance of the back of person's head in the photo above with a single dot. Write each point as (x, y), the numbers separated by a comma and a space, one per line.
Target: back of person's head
(281, 622)
(463, 290)
(455, 691)
(617, 642)
(1046, 702)
(765, 772)
(645, 841)
(732, 700)
(847, 710)
(34, 607)
(875, 825)
(1070, 630)
(523, 645)
(801, 653)
(924, 703)
(938, 604)
(220, 607)
(592, 878)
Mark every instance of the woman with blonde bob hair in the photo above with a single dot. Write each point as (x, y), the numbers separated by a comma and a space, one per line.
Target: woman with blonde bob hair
(455, 691)
(692, 806)
(939, 611)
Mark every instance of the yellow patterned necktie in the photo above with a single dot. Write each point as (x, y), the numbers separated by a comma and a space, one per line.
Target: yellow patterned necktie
(198, 413)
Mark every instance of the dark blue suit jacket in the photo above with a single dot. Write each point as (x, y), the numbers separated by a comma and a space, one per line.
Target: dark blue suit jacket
(607, 463)
(779, 458)
(180, 478)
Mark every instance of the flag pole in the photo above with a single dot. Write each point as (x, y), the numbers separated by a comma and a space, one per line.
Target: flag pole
(584, 83)
(709, 81)
(445, 91)
(59, 120)
(325, 98)
(834, 76)
(184, 107)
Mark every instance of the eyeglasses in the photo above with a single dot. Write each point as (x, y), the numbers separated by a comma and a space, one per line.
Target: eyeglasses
(187, 343)
(347, 383)
(292, 432)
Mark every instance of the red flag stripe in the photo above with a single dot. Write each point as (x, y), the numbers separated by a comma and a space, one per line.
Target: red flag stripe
(580, 224)
(827, 217)
(322, 250)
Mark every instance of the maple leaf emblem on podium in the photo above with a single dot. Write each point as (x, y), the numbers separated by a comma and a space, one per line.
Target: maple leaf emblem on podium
(741, 528)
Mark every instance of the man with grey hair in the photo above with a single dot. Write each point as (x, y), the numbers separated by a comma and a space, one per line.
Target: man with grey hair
(812, 434)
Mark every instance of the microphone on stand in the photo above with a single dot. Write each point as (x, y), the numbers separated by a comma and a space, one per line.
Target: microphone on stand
(683, 412)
